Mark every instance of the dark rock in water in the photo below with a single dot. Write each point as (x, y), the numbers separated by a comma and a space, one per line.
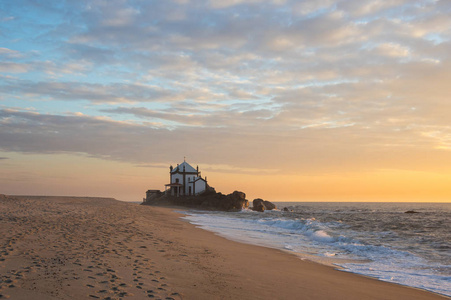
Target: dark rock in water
(262, 205)
(258, 205)
(285, 209)
(235, 201)
(269, 205)
(411, 212)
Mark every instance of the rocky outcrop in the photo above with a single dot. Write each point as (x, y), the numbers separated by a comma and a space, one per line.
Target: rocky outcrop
(269, 205)
(258, 205)
(234, 201)
(411, 212)
(209, 200)
(262, 205)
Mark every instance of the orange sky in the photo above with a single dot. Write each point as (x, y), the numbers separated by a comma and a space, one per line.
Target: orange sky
(81, 176)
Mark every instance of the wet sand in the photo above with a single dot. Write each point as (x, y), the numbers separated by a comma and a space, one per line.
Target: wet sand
(99, 248)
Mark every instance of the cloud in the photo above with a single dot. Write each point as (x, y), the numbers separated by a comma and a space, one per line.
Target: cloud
(96, 93)
(90, 53)
(226, 117)
(372, 7)
(318, 84)
(9, 67)
(10, 53)
(393, 50)
(307, 149)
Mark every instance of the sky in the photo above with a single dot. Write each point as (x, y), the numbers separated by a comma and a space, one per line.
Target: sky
(325, 100)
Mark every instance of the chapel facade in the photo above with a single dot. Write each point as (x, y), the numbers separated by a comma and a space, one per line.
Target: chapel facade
(185, 181)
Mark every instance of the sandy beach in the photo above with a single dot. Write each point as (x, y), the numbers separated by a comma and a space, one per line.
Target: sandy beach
(100, 248)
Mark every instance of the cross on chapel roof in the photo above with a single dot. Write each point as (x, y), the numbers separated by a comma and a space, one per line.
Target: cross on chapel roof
(187, 166)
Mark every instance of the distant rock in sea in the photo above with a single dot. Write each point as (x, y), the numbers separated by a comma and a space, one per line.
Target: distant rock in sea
(262, 205)
(411, 212)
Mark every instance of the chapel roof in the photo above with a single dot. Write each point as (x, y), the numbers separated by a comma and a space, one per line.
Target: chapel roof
(188, 168)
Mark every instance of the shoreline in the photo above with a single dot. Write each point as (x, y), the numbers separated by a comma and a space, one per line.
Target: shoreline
(372, 240)
(330, 262)
(301, 256)
(75, 247)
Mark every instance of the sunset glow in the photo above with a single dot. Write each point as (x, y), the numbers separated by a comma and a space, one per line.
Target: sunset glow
(284, 100)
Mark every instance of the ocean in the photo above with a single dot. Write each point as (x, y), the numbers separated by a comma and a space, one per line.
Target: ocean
(378, 240)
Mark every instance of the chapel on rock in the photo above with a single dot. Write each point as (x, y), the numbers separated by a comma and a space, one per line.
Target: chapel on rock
(185, 181)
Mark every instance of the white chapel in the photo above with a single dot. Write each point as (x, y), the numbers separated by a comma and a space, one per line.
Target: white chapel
(185, 181)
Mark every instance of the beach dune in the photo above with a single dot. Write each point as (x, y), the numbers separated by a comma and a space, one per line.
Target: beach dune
(101, 248)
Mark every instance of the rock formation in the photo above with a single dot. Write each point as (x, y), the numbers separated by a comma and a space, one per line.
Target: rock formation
(210, 200)
(262, 205)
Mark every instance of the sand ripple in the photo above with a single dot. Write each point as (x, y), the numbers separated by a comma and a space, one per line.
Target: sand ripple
(64, 248)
